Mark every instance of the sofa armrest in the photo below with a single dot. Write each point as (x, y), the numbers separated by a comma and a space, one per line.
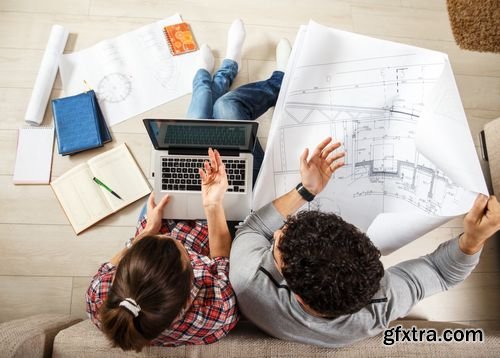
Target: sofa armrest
(492, 139)
(32, 336)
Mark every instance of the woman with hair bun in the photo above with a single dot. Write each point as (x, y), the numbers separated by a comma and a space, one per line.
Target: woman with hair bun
(171, 286)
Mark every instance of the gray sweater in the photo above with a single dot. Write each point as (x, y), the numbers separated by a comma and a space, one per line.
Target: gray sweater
(265, 299)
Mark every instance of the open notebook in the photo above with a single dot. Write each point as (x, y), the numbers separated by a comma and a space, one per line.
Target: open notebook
(85, 202)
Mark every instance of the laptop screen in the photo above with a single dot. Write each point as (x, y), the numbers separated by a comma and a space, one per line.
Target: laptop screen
(202, 134)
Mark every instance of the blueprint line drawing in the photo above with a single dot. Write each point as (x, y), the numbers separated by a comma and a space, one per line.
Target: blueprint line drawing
(372, 98)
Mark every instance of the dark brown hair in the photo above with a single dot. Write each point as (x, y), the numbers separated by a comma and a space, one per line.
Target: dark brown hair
(331, 265)
(153, 274)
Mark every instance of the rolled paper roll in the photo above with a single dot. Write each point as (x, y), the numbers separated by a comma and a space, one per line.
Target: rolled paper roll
(46, 75)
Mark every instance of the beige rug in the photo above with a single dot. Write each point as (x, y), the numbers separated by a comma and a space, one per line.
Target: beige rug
(476, 24)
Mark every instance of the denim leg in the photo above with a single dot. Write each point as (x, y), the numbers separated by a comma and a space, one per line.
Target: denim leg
(201, 106)
(249, 101)
(223, 78)
(143, 212)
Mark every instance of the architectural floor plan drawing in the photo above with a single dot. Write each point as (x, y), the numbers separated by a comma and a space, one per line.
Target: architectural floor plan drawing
(131, 73)
(373, 97)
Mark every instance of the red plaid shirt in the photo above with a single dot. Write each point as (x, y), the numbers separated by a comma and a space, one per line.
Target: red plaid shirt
(213, 312)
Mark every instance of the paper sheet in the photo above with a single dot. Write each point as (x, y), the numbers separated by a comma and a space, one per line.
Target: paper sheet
(131, 73)
(34, 155)
(410, 161)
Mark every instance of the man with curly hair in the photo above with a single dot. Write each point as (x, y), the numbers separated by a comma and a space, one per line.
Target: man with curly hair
(315, 279)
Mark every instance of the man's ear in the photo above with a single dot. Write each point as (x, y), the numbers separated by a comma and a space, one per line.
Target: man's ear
(298, 298)
(277, 234)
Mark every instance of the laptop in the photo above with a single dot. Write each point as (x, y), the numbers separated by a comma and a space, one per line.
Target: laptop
(181, 147)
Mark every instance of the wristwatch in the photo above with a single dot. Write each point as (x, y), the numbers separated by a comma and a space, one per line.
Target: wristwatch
(304, 193)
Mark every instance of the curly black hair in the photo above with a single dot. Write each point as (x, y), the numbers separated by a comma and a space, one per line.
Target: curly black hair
(330, 264)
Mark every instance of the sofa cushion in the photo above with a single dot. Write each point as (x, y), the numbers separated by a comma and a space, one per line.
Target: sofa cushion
(32, 336)
(84, 340)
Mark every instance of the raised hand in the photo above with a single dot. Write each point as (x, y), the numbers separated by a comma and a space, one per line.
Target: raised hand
(480, 223)
(213, 179)
(317, 171)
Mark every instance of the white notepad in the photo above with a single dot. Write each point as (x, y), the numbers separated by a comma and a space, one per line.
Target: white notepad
(34, 155)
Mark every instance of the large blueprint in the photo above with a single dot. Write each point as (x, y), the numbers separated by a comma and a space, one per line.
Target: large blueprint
(410, 160)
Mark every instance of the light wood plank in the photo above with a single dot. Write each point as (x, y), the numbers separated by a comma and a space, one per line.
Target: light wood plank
(33, 29)
(26, 296)
(55, 250)
(479, 92)
(258, 12)
(425, 4)
(8, 145)
(13, 105)
(78, 304)
(378, 4)
(405, 22)
(47, 6)
(18, 68)
(86, 31)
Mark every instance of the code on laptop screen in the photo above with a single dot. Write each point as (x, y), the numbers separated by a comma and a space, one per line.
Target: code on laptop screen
(201, 134)
(205, 135)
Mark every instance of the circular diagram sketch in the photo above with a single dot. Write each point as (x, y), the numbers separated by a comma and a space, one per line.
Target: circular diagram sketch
(114, 88)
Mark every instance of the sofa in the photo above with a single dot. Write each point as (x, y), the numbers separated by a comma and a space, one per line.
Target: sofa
(55, 335)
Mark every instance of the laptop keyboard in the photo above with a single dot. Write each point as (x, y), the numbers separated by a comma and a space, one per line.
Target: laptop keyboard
(182, 174)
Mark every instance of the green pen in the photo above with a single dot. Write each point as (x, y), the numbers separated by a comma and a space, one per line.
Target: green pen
(105, 187)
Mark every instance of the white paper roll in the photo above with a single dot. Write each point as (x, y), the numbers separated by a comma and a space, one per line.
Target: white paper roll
(46, 75)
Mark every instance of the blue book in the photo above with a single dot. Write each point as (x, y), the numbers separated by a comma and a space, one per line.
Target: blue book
(79, 123)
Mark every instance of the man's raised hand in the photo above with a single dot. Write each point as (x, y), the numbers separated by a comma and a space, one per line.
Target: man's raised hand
(317, 170)
(480, 223)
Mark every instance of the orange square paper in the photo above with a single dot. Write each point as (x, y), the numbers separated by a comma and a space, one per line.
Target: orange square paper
(180, 38)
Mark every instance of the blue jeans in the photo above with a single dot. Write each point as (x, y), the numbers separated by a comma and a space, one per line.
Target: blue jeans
(211, 99)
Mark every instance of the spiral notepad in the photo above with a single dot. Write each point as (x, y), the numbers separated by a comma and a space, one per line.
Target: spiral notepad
(180, 38)
(34, 155)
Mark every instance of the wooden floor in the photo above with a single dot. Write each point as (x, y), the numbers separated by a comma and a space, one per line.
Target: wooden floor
(45, 267)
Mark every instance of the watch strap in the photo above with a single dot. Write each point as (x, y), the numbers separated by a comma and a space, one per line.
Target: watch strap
(304, 193)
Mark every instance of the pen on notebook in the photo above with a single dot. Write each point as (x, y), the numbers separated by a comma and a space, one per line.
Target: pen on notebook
(107, 188)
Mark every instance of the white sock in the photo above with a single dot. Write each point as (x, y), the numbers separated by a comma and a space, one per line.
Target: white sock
(235, 39)
(283, 50)
(206, 58)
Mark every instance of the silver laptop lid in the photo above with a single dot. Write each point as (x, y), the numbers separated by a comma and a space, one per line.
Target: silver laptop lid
(195, 136)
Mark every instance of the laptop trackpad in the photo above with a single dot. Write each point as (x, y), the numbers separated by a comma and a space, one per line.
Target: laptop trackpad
(195, 207)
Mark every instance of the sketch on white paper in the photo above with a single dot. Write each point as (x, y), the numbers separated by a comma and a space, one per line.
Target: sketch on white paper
(373, 96)
(131, 73)
(114, 87)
